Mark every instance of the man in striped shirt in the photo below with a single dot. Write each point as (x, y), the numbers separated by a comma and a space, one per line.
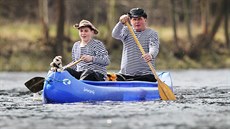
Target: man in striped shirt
(133, 64)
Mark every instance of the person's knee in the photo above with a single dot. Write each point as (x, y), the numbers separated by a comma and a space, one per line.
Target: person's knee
(91, 75)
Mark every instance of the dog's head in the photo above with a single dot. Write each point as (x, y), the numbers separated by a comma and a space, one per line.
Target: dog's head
(57, 62)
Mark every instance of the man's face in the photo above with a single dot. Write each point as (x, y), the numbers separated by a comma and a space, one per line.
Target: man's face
(139, 23)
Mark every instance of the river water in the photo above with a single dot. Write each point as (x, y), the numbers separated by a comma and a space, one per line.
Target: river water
(203, 102)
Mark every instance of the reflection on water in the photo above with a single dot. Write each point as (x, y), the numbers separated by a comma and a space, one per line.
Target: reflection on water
(203, 102)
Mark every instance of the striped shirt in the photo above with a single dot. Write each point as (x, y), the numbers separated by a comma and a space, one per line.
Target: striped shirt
(132, 62)
(94, 48)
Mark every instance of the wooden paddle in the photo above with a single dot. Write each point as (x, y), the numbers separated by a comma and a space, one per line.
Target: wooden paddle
(36, 84)
(164, 90)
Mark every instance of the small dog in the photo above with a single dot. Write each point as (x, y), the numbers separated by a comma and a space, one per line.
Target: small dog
(56, 65)
(111, 77)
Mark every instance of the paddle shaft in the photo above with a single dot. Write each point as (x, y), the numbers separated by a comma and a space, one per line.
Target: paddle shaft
(141, 49)
(72, 64)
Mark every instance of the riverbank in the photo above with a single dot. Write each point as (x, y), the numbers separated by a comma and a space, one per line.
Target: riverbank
(22, 49)
(38, 60)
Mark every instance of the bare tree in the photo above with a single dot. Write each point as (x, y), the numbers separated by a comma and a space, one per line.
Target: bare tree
(43, 13)
(60, 27)
(226, 28)
(173, 14)
(110, 21)
(204, 5)
(217, 21)
(188, 18)
(205, 41)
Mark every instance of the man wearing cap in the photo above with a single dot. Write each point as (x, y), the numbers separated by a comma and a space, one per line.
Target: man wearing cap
(133, 63)
(91, 51)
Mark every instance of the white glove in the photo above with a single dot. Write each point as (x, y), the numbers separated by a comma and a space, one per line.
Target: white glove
(56, 65)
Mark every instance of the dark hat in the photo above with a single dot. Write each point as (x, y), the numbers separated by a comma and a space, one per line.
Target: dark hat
(137, 12)
(85, 23)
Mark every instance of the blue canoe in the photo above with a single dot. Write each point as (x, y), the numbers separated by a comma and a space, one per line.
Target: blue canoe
(61, 87)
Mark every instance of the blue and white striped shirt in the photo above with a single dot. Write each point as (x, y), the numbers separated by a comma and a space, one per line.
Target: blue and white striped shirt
(97, 50)
(132, 62)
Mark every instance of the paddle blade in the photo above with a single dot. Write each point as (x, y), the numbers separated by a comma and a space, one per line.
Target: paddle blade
(165, 92)
(35, 84)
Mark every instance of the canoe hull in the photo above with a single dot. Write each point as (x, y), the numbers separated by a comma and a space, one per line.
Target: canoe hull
(61, 87)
